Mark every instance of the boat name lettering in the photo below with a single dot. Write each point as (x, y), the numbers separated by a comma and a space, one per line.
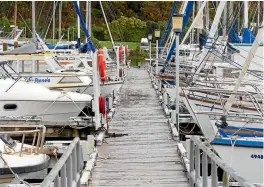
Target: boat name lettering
(38, 80)
(255, 156)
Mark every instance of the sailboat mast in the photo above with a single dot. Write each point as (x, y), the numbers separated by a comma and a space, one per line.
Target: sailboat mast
(60, 9)
(258, 14)
(245, 14)
(86, 15)
(230, 12)
(198, 30)
(15, 20)
(224, 23)
(90, 18)
(207, 21)
(33, 22)
(53, 22)
(192, 33)
(78, 27)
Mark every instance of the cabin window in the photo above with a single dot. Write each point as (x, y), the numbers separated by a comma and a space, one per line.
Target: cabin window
(43, 67)
(62, 58)
(10, 107)
(230, 73)
(69, 80)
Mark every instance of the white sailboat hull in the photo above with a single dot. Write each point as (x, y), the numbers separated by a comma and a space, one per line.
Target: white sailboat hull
(56, 112)
(242, 160)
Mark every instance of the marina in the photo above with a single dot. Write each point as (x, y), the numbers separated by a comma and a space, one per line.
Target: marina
(175, 100)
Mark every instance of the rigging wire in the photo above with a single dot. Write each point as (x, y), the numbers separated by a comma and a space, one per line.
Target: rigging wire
(232, 17)
(53, 13)
(25, 23)
(113, 14)
(12, 171)
(40, 12)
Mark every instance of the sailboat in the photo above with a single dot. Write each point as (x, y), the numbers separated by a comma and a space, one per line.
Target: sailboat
(237, 136)
(20, 158)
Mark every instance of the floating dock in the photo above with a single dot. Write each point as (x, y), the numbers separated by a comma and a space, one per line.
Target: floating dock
(140, 150)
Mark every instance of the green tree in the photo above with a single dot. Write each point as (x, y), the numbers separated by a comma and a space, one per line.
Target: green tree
(127, 29)
(137, 56)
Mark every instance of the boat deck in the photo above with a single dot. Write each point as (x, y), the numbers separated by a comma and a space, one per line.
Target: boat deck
(143, 152)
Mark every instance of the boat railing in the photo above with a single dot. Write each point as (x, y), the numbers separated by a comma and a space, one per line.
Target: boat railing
(223, 94)
(197, 178)
(67, 171)
(38, 132)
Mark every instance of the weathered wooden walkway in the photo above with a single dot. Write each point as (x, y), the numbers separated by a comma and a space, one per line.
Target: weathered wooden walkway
(147, 155)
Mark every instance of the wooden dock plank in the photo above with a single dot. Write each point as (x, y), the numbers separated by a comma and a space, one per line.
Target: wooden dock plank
(146, 155)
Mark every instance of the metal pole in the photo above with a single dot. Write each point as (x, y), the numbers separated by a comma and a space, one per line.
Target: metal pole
(33, 22)
(60, 9)
(96, 92)
(207, 17)
(53, 23)
(245, 14)
(198, 30)
(192, 34)
(150, 56)
(78, 27)
(106, 22)
(258, 14)
(86, 15)
(157, 53)
(90, 18)
(225, 21)
(15, 20)
(230, 11)
(177, 79)
(68, 34)
(117, 62)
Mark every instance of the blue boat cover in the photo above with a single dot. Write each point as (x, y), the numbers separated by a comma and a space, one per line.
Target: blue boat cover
(247, 36)
(233, 36)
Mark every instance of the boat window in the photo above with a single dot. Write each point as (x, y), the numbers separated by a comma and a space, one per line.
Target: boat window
(230, 73)
(79, 63)
(62, 58)
(70, 79)
(3, 73)
(43, 67)
(54, 63)
(10, 107)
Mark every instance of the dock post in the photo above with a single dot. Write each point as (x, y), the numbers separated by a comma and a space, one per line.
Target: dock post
(117, 63)
(177, 107)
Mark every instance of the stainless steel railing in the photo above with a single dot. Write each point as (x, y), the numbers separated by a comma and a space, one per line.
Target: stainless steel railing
(67, 171)
(38, 132)
(201, 179)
